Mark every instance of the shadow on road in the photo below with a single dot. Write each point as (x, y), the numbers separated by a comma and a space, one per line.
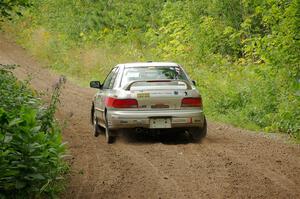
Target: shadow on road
(164, 137)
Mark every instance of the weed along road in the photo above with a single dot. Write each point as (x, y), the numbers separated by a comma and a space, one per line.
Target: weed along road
(229, 163)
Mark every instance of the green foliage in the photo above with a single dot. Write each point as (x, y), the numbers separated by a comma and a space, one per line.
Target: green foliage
(9, 7)
(31, 148)
(259, 98)
(13, 93)
(244, 54)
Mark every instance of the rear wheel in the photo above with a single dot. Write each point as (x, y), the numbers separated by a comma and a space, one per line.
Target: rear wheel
(109, 134)
(197, 134)
(96, 128)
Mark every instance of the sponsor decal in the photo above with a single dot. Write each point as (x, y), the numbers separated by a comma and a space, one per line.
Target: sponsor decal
(143, 95)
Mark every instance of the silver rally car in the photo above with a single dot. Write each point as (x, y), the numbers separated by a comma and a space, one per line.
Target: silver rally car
(147, 95)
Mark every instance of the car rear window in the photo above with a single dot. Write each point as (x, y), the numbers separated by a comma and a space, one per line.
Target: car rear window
(152, 73)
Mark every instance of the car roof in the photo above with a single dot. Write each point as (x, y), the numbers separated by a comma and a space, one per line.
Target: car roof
(153, 64)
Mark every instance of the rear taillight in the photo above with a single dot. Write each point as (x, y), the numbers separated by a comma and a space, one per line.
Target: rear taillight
(191, 102)
(121, 103)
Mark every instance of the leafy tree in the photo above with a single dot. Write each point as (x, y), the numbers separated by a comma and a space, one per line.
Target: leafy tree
(7, 7)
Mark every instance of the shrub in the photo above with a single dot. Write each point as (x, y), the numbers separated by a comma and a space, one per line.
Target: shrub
(31, 147)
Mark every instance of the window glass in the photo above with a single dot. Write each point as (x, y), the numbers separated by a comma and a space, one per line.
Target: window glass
(113, 79)
(109, 78)
(152, 73)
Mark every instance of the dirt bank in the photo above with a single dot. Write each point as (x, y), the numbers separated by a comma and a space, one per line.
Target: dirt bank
(229, 163)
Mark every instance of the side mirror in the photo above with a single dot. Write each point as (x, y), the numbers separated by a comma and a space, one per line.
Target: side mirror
(95, 84)
(194, 82)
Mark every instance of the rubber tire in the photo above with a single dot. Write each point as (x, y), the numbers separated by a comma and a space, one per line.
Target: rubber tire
(108, 134)
(96, 128)
(198, 134)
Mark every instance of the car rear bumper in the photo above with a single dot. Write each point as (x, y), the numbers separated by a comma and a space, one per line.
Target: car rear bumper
(141, 119)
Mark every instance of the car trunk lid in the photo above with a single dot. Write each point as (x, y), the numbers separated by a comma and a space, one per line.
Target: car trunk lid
(159, 95)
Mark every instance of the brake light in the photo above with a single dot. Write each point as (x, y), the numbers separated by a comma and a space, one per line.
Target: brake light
(191, 102)
(121, 103)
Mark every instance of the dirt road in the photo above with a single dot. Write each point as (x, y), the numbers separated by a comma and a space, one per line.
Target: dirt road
(229, 163)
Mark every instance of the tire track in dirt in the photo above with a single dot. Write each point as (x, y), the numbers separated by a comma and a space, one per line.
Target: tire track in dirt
(229, 163)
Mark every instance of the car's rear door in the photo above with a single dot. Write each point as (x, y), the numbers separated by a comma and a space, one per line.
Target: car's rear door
(104, 92)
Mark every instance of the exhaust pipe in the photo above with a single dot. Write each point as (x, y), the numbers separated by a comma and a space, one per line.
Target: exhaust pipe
(139, 130)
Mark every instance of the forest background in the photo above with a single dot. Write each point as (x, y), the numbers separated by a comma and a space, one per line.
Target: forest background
(244, 54)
